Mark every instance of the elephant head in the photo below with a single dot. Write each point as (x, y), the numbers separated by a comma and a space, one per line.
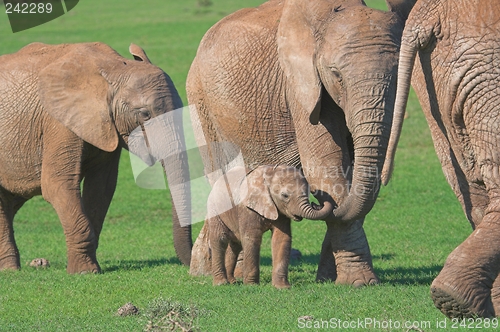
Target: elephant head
(341, 56)
(102, 97)
(282, 189)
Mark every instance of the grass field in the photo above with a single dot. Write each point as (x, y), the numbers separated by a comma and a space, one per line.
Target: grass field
(415, 224)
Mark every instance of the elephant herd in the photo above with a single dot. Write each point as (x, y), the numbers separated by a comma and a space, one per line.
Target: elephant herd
(319, 86)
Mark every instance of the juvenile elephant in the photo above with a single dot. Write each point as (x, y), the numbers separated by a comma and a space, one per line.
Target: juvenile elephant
(65, 113)
(243, 205)
(308, 84)
(450, 55)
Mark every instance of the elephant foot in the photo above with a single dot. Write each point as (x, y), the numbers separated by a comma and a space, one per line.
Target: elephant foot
(465, 285)
(347, 274)
(345, 255)
(220, 281)
(251, 282)
(82, 263)
(281, 284)
(454, 302)
(450, 304)
(357, 277)
(10, 263)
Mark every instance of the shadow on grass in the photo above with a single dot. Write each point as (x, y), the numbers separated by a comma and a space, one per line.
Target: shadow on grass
(421, 275)
(129, 265)
(384, 257)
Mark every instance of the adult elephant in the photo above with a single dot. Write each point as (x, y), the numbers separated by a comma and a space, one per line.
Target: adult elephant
(449, 53)
(310, 84)
(66, 111)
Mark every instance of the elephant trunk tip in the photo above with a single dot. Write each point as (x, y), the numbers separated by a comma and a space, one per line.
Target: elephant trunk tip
(314, 211)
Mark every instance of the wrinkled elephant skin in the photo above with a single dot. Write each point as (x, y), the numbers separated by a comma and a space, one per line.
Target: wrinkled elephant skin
(450, 55)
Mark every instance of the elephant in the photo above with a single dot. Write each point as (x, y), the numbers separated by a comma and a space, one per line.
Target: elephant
(449, 55)
(243, 205)
(308, 84)
(66, 111)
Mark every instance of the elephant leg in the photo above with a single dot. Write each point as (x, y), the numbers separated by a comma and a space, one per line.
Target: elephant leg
(231, 259)
(201, 261)
(463, 287)
(9, 254)
(60, 183)
(351, 254)
(251, 242)
(219, 242)
(81, 241)
(281, 245)
(98, 190)
(327, 270)
(238, 270)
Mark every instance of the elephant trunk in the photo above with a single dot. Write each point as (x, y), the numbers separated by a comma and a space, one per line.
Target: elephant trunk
(407, 57)
(178, 177)
(309, 212)
(369, 125)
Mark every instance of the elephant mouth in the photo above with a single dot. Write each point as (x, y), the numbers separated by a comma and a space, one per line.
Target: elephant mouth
(297, 218)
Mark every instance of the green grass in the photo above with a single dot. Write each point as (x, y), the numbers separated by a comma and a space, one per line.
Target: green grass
(415, 224)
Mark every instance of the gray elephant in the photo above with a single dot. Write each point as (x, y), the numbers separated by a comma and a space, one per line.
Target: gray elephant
(66, 111)
(243, 205)
(308, 84)
(451, 47)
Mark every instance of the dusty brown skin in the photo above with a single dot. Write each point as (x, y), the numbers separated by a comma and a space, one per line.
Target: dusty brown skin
(309, 84)
(265, 199)
(65, 113)
(449, 53)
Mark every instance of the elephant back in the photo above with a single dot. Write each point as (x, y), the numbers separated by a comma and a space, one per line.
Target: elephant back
(257, 96)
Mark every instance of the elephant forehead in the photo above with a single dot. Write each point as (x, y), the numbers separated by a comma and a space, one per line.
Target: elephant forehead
(147, 79)
(153, 91)
(355, 19)
(290, 179)
(360, 47)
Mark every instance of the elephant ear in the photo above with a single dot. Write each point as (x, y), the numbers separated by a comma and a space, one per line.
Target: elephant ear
(138, 53)
(299, 26)
(258, 195)
(296, 48)
(401, 7)
(73, 91)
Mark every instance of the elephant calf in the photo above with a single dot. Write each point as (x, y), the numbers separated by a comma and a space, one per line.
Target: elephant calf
(65, 113)
(243, 205)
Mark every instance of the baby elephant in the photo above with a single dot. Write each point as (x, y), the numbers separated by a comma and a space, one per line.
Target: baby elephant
(66, 112)
(243, 205)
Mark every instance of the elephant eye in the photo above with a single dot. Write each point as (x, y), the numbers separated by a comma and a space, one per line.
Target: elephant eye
(144, 115)
(338, 76)
(336, 89)
(285, 195)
